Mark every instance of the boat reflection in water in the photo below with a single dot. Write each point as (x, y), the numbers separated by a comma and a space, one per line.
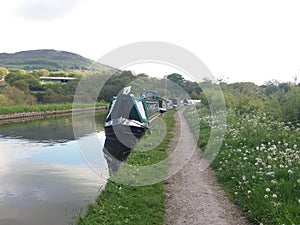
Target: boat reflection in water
(115, 153)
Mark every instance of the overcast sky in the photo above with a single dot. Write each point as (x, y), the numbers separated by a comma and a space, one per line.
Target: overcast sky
(243, 40)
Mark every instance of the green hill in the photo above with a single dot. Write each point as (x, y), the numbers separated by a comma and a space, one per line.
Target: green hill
(49, 59)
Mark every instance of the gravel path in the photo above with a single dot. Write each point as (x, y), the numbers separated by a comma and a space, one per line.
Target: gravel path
(195, 197)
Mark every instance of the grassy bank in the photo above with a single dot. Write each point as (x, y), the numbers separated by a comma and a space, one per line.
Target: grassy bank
(41, 108)
(258, 165)
(125, 204)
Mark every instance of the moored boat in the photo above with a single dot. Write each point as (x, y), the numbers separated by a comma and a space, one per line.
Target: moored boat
(127, 119)
(154, 102)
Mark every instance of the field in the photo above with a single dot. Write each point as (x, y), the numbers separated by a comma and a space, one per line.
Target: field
(258, 165)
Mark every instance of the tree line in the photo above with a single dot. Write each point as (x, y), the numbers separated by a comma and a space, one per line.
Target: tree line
(25, 87)
(278, 100)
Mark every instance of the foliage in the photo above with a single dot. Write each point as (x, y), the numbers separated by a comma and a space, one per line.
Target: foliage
(176, 78)
(31, 79)
(5, 101)
(21, 85)
(3, 72)
(193, 89)
(115, 84)
(280, 101)
(291, 105)
(16, 96)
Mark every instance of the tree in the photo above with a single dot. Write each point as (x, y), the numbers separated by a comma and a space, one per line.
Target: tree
(49, 96)
(3, 72)
(4, 101)
(291, 105)
(271, 88)
(142, 75)
(32, 79)
(177, 78)
(17, 96)
(193, 87)
(44, 73)
(14, 76)
(22, 85)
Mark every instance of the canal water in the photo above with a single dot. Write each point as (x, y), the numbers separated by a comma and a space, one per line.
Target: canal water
(45, 176)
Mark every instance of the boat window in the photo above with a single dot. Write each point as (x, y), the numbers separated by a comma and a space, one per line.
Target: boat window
(150, 95)
(141, 109)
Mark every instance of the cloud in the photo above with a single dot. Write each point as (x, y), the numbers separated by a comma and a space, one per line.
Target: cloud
(45, 10)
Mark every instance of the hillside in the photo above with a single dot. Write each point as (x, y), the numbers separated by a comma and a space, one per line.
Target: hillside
(51, 60)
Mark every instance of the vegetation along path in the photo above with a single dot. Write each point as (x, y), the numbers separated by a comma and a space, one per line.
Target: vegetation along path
(194, 196)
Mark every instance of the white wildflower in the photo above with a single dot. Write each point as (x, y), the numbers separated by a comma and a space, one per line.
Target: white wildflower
(270, 173)
(258, 160)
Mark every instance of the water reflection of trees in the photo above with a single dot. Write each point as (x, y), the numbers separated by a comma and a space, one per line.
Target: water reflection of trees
(59, 129)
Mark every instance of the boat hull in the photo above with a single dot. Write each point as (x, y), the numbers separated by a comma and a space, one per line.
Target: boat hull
(126, 122)
(125, 135)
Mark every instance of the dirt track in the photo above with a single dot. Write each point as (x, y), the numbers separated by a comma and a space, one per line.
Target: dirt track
(195, 197)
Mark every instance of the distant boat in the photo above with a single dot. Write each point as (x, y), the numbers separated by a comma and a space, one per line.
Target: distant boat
(154, 102)
(174, 103)
(127, 120)
(186, 102)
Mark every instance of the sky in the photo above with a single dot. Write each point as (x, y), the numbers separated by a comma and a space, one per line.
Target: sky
(238, 40)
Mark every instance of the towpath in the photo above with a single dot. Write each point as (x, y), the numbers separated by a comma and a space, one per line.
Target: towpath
(195, 197)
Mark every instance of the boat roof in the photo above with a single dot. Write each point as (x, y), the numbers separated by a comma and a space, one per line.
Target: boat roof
(128, 106)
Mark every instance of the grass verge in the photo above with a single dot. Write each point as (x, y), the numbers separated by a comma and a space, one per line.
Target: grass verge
(42, 108)
(138, 205)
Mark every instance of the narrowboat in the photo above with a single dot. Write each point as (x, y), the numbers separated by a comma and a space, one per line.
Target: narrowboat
(127, 119)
